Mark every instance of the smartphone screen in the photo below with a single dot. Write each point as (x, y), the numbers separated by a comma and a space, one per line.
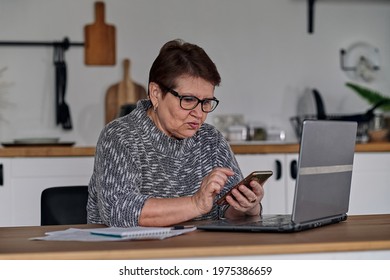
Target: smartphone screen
(259, 176)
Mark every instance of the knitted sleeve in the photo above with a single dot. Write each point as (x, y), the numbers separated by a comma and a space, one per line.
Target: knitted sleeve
(115, 180)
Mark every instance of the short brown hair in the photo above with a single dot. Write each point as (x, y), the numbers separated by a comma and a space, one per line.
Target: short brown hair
(178, 58)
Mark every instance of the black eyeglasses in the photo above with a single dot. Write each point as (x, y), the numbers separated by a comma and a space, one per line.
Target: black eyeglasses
(188, 102)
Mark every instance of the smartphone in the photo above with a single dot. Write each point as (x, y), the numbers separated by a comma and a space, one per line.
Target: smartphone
(259, 176)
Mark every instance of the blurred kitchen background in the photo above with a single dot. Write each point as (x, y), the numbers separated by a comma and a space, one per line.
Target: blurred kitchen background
(263, 49)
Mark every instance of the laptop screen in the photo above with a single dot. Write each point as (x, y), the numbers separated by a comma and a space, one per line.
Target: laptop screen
(324, 169)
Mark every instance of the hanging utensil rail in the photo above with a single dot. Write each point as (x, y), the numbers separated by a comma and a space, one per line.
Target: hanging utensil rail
(63, 116)
(64, 43)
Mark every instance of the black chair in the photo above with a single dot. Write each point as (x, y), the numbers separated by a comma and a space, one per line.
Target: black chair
(64, 205)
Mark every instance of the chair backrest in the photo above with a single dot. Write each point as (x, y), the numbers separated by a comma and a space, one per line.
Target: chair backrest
(64, 205)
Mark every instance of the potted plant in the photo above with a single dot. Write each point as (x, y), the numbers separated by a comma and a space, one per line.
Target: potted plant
(371, 96)
(380, 127)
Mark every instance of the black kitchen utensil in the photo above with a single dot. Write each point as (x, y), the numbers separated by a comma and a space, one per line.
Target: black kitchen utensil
(62, 109)
(321, 115)
(365, 117)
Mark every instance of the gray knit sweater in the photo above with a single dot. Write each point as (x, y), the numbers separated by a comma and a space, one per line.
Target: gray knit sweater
(135, 161)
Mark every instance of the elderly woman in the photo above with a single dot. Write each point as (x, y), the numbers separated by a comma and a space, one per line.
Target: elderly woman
(162, 164)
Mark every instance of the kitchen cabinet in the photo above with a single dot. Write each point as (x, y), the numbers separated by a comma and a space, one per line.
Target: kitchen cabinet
(370, 188)
(290, 179)
(5, 192)
(370, 193)
(26, 178)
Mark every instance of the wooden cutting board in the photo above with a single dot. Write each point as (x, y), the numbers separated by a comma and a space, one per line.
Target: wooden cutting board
(125, 92)
(99, 46)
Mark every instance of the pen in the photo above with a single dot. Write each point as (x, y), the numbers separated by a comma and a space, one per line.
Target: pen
(181, 227)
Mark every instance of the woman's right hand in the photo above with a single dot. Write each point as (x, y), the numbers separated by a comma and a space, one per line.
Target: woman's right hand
(210, 187)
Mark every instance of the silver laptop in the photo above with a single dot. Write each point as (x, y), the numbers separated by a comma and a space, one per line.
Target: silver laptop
(323, 183)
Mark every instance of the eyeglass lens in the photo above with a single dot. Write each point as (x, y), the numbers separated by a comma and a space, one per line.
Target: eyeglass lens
(190, 102)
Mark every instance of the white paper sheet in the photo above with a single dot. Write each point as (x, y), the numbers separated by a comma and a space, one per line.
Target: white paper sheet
(74, 234)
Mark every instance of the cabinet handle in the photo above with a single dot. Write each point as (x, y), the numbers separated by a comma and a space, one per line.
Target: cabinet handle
(1, 175)
(293, 169)
(278, 172)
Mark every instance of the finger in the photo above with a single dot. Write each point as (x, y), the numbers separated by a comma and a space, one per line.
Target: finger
(214, 187)
(245, 199)
(234, 203)
(225, 170)
(247, 194)
(240, 206)
(220, 175)
(257, 188)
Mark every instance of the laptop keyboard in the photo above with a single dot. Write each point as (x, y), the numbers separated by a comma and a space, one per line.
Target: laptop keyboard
(274, 220)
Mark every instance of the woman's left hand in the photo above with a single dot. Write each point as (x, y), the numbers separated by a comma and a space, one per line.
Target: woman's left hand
(247, 199)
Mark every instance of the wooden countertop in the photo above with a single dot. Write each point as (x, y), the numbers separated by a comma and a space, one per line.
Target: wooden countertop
(238, 148)
(357, 233)
(47, 151)
(258, 148)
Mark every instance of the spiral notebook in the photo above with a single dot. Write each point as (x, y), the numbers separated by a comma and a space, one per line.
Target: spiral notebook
(115, 234)
(141, 232)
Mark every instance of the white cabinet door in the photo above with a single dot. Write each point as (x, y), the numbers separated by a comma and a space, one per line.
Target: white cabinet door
(370, 187)
(30, 176)
(5, 193)
(275, 199)
(370, 190)
(291, 170)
